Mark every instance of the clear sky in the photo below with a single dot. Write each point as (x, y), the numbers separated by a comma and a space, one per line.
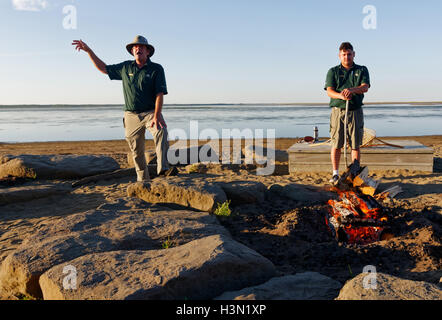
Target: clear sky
(219, 51)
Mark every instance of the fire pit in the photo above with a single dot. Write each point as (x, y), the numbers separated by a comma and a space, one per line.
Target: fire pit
(357, 218)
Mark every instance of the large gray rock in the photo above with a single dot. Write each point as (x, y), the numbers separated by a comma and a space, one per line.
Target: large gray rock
(305, 195)
(243, 192)
(55, 166)
(192, 193)
(31, 192)
(126, 224)
(181, 154)
(219, 169)
(201, 269)
(388, 287)
(184, 153)
(262, 154)
(301, 286)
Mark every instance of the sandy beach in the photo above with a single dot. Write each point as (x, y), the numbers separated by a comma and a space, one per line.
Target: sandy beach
(282, 231)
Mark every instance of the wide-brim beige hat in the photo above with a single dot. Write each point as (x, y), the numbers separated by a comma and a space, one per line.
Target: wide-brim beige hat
(140, 40)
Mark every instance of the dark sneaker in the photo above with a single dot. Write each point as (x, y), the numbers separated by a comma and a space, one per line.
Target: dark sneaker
(169, 172)
(334, 180)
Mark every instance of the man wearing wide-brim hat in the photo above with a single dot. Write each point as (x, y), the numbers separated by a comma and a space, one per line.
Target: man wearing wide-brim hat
(144, 85)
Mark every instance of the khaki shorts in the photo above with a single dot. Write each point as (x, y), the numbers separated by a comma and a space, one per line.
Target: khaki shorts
(355, 128)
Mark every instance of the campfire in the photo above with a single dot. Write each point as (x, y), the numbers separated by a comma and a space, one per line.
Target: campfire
(357, 217)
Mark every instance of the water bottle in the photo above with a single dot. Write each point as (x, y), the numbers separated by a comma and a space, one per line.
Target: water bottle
(315, 133)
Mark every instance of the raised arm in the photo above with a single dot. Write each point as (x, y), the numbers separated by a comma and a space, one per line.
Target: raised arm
(80, 45)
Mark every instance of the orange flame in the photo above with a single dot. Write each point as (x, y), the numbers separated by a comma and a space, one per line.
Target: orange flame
(363, 234)
(359, 208)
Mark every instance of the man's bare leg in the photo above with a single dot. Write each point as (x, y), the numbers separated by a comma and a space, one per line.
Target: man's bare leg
(335, 156)
(355, 155)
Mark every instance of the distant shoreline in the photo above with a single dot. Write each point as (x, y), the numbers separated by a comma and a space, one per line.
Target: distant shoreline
(149, 141)
(420, 103)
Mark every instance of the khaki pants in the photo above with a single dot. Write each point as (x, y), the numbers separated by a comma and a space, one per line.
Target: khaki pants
(135, 125)
(355, 128)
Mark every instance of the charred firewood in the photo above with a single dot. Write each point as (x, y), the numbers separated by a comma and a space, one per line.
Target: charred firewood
(356, 218)
(350, 173)
(390, 193)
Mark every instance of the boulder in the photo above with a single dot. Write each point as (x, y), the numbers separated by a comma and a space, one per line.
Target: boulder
(31, 192)
(305, 195)
(56, 166)
(218, 168)
(301, 286)
(261, 154)
(126, 224)
(387, 287)
(181, 154)
(244, 192)
(184, 191)
(201, 269)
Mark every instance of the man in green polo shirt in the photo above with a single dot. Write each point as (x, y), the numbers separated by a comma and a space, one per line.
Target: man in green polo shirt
(144, 85)
(346, 82)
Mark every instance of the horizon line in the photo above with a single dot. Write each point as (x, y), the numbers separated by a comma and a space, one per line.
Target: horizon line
(226, 103)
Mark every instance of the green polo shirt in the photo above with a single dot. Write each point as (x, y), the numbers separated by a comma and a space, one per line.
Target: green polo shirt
(340, 78)
(140, 86)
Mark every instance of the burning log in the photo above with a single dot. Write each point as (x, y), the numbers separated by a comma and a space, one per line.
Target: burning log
(364, 183)
(355, 230)
(352, 171)
(363, 234)
(356, 218)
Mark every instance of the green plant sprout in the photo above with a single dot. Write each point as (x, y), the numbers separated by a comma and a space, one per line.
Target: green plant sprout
(223, 209)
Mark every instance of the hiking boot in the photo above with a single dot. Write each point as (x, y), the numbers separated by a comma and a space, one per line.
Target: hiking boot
(334, 180)
(169, 172)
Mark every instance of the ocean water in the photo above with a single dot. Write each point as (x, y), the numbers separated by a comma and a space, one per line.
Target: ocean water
(104, 122)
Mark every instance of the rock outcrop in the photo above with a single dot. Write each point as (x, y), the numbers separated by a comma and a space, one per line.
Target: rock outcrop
(201, 269)
(127, 224)
(305, 195)
(191, 193)
(381, 286)
(31, 192)
(55, 166)
(301, 286)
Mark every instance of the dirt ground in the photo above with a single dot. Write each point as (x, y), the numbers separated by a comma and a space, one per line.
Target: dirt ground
(294, 237)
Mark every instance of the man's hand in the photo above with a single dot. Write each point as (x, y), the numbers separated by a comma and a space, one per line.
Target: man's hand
(80, 45)
(158, 122)
(346, 94)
